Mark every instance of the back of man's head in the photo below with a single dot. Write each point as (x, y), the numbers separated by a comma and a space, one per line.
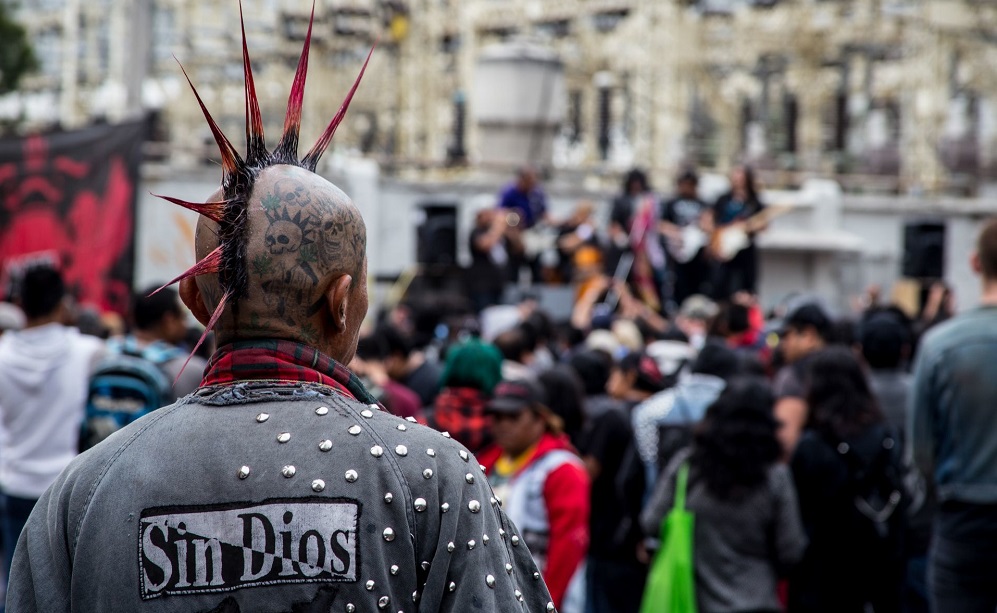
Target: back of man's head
(149, 311)
(394, 342)
(811, 317)
(738, 318)
(716, 359)
(42, 292)
(986, 250)
(513, 344)
(593, 368)
(373, 347)
(886, 339)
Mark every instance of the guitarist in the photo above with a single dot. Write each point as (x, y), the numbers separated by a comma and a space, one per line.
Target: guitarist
(686, 209)
(733, 209)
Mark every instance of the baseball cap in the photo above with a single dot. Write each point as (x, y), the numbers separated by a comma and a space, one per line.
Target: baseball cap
(513, 396)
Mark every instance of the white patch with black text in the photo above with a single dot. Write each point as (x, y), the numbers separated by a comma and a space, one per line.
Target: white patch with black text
(215, 548)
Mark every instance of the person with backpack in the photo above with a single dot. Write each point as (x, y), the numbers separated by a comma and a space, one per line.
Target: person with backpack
(746, 528)
(848, 471)
(143, 371)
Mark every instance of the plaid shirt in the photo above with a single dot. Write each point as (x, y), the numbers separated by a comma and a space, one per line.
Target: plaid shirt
(461, 412)
(276, 360)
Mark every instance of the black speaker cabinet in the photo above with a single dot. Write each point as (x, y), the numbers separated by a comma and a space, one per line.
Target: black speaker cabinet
(436, 241)
(924, 250)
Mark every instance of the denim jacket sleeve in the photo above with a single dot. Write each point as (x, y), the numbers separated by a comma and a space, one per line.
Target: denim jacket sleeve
(920, 413)
(42, 570)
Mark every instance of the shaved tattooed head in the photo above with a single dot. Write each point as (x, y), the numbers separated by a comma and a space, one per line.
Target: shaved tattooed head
(281, 251)
(301, 233)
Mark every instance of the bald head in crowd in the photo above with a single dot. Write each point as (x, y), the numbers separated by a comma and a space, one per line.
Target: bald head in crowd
(305, 253)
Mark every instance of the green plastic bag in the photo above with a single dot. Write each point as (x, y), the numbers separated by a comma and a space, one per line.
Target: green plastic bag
(671, 583)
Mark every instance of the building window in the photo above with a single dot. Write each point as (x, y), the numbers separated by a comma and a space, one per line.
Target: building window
(48, 47)
(574, 123)
(560, 28)
(607, 21)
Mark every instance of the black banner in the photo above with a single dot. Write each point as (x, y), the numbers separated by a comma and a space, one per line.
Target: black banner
(68, 198)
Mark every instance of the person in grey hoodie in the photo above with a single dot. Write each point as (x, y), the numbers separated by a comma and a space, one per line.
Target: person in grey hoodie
(279, 485)
(44, 370)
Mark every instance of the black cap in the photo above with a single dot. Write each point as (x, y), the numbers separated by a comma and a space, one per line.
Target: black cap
(515, 396)
(810, 316)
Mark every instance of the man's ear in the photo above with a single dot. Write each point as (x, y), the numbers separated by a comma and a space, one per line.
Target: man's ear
(974, 262)
(190, 294)
(338, 297)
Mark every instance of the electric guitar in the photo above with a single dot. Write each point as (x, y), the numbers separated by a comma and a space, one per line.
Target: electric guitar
(727, 241)
(684, 243)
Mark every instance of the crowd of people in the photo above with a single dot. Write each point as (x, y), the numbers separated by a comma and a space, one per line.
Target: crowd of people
(799, 429)
(667, 248)
(825, 455)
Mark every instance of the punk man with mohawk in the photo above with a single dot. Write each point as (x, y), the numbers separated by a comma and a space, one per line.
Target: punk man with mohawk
(279, 485)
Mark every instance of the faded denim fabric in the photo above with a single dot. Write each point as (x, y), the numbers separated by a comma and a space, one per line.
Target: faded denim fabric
(376, 512)
(953, 407)
(683, 405)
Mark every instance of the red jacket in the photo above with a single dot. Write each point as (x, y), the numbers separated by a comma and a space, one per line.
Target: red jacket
(566, 498)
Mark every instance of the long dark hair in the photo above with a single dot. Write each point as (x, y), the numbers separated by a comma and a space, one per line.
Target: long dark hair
(636, 175)
(566, 398)
(838, 395)
(750, 185)
(736, 442)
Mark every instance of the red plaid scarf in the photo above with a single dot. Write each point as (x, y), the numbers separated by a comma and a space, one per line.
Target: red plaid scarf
(276, 360)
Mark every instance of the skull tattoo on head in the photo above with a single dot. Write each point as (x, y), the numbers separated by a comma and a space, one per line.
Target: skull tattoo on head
(283, 236)
(286, 234)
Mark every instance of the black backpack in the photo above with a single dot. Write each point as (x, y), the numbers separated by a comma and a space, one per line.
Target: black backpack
(879, 495)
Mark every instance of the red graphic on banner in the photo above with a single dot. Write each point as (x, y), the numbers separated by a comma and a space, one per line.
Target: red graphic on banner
(69, 199)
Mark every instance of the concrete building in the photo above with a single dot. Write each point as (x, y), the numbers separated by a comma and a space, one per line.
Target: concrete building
(887, 95)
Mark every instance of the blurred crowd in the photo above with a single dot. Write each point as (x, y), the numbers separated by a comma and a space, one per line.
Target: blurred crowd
(799, 427)
(582, 425)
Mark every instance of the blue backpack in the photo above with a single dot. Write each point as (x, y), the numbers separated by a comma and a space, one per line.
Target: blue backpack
(126, 385)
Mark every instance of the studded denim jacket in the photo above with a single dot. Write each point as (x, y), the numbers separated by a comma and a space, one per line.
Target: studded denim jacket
(270, 497)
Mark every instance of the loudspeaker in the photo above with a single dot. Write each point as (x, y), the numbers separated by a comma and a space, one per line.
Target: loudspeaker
(436, 238)
(924, 250)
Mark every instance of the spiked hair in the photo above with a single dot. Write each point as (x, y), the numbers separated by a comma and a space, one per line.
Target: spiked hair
(228, 261)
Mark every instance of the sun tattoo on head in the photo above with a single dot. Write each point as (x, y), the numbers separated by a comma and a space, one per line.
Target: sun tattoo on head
(288, 233)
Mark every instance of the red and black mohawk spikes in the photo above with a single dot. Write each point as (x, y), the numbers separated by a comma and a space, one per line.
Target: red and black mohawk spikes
(310, 161)
(231, 162)
(211, 263)
(287, 149)
(214, 211)
(207, 329)
(228, 260)
(255, 143)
